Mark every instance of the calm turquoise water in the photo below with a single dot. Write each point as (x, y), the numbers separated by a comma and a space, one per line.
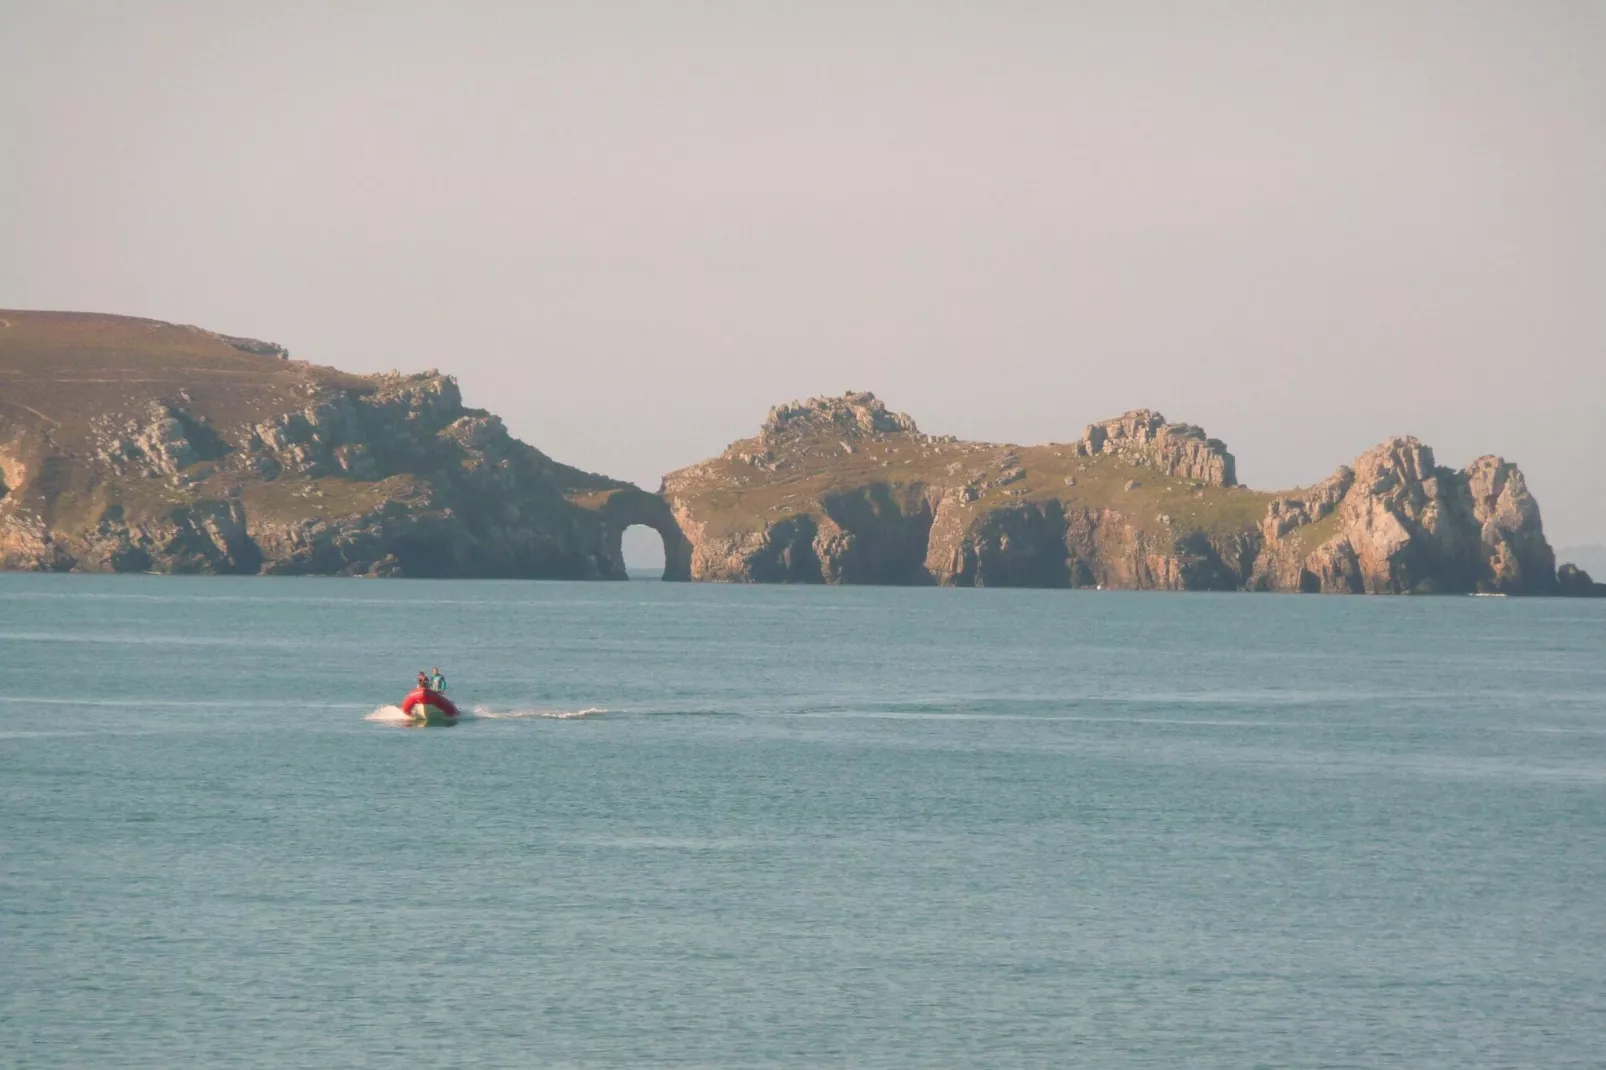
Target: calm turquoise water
(814, 827)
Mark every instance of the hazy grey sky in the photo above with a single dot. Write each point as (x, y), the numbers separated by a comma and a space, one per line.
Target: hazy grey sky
(631, 228)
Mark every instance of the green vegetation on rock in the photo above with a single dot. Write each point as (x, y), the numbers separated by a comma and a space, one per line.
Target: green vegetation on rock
(133, 445)
(842, 490)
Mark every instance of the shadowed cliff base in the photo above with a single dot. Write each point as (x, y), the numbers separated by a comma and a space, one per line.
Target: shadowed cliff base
(842, 490)
(136, 445)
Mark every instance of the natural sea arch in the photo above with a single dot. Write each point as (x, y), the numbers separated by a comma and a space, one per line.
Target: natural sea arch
(628, 509)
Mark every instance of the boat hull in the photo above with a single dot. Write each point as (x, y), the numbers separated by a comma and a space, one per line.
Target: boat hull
(425, 707)
(424, 713)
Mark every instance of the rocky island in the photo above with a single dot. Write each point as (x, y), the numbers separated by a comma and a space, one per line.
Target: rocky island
(136, 445)
(842, 490)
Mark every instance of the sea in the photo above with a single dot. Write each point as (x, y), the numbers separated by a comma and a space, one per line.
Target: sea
(725, 826)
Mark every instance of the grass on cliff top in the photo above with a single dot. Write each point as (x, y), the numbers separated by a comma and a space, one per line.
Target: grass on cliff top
(737, 497)
(61, 370)
(61, 373)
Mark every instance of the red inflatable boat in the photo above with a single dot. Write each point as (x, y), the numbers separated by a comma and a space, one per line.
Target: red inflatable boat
(424, 706)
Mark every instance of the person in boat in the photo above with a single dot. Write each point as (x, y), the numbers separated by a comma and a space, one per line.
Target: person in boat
(423, 681)
(437, 682)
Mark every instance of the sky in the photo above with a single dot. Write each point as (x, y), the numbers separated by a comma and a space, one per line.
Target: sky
(631, 228)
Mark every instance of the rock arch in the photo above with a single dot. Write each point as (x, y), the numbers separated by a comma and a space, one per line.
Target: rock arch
(631, 506)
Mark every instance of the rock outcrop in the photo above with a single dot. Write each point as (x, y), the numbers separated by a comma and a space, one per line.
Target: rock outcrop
(1574, 582)
(1143, 437)
(842, 490)
(1399, 523)
(133, 445)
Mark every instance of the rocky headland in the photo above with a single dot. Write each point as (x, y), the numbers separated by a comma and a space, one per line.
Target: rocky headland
(136, 445)
(842, 490)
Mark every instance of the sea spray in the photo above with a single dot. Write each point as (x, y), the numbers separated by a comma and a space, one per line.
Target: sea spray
(394, 714)
(485, 713)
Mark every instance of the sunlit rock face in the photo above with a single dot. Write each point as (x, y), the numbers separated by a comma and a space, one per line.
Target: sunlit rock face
(134, 445)
(844, 490)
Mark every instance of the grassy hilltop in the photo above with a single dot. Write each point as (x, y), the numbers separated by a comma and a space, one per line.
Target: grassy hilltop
(133, 444)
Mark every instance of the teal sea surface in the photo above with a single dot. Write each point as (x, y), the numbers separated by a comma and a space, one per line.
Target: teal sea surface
(708, 826)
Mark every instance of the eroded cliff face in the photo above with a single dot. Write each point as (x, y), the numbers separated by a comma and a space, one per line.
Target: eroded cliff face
(133, 445)
(841, 490)
(1395, 522)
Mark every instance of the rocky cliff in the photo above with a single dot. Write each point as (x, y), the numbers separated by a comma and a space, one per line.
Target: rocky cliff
(841, 490)
(1574, 582)
(136, 445)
